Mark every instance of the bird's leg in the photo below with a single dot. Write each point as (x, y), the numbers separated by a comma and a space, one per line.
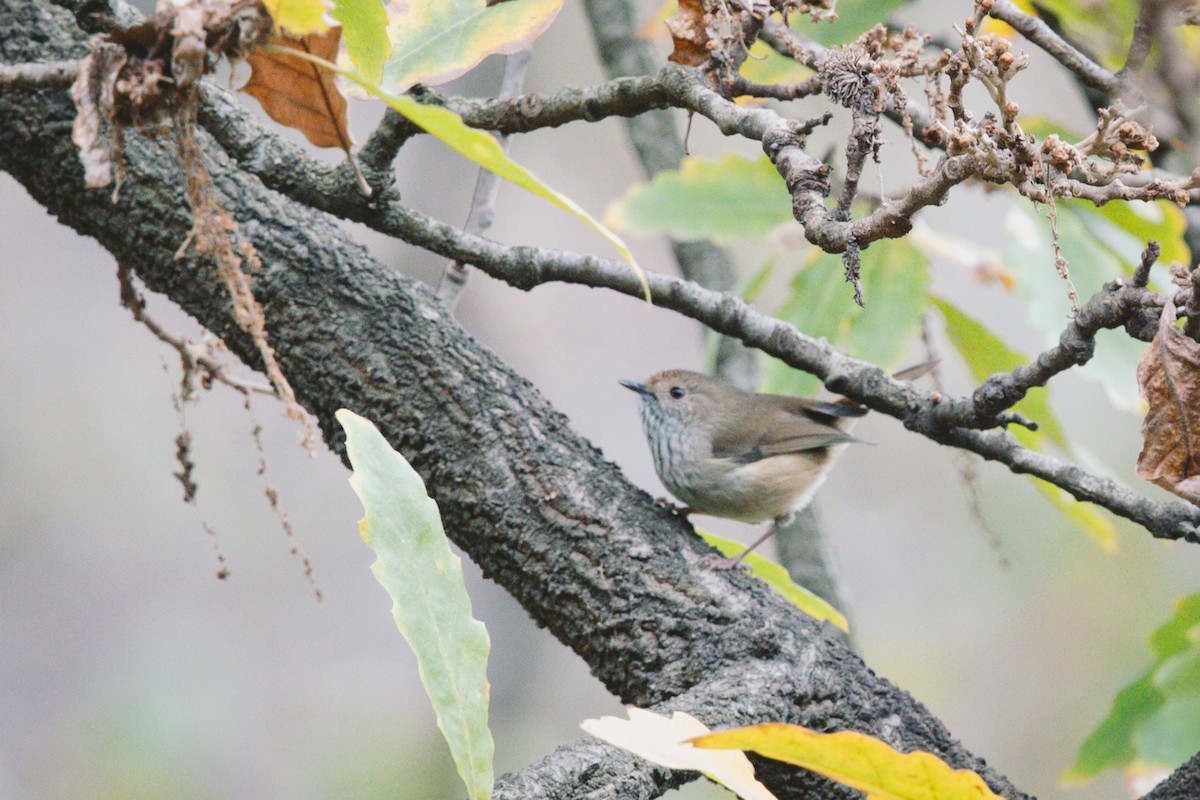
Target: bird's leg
(736, 561)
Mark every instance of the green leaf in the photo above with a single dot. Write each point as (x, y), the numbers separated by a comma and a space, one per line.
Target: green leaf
(778, 579)
(483, 149)
(856, 760)
(1030, 257)
(895, 275)
(299, 17)
(1041, 127)
(985, 354)
(1154, 721)
(364, 30)
(1106, 26)
(734, 198)
(854, 17)
(767, 66)
(435, 41)
(1125, 227)
(431, 608)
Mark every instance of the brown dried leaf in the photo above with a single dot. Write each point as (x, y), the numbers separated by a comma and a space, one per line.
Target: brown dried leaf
(1169, 380)
(300, 94)
(689, 34)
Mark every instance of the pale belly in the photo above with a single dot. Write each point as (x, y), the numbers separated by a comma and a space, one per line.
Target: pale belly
(754, 492)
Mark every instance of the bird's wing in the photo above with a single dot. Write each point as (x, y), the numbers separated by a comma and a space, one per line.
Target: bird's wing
(772, 428)
(816, 409)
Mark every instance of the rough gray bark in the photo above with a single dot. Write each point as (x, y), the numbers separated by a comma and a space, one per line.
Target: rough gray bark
(587, 555)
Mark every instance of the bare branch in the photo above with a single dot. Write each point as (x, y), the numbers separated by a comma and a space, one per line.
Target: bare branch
(1142, 40)
(191, 354)
(392, 132)
(1035, 30)
(55, 75)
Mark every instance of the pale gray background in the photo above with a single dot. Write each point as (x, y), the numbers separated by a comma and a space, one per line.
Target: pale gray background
(128, 670)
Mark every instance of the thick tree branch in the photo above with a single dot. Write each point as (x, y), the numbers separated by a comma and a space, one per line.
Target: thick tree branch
(1183, 783)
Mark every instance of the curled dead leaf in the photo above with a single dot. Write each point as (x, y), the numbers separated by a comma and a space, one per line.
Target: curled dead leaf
(145, 76)
(1168, 377)
(689, 35)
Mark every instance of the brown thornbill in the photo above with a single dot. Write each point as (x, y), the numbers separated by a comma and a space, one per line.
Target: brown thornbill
(740, 455)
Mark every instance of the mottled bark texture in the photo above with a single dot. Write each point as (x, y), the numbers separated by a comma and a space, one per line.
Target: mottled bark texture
(622, 584)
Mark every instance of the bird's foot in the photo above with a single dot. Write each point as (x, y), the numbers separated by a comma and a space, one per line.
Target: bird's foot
(726, 563)
(682, 512)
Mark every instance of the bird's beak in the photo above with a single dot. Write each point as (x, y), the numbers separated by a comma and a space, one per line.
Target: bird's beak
(640, 388)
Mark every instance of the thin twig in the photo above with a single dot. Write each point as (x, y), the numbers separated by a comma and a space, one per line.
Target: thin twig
(487, 184)
(191, 354)
(52, 75)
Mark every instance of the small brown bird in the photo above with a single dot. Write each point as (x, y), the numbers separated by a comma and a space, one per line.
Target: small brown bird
(741, 455)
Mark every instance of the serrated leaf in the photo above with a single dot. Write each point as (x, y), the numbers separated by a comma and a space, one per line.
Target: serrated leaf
(1154, 721)
(734, 198)
(299, 17)
(364, 30)
(985, 354)
(1101, 244)
(663, 741)
(856, 760)
(895, 276)
(484, 150)
(778, 579)
(299, 93)
(431, 608)
(434, 41)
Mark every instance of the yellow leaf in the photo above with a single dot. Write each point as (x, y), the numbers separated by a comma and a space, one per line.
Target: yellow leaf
(778, 579)
(663, 741)
(300, 16)
(858, 761)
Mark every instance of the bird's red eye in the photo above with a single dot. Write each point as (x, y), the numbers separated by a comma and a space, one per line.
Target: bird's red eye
(676, 392)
